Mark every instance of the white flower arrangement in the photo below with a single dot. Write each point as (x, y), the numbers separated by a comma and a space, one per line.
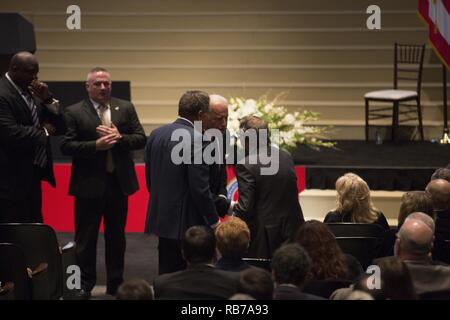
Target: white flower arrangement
(293, 127)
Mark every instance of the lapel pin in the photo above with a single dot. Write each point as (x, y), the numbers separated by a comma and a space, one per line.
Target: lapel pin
(116, 108)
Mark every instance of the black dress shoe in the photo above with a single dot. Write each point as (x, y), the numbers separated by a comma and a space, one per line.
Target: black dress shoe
(84, 294)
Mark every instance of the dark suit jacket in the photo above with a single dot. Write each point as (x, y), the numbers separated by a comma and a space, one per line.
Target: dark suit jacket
(269, 204)
(218, 185)
(180, 195)
(196, 282)
(286, 292)
(88, 177)
(18, 141)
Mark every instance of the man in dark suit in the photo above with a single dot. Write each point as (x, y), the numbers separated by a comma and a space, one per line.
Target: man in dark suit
(178, 181)
(268, 195)
(290, 268)
(200, 280)
(28, 116)
(216, 118)
(101, 132)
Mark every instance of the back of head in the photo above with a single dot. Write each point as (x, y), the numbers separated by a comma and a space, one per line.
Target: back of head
(135, 289)
(353, 197)
(233, 238)
(291, 265)
(415, 237)
(396, 279)
(441, 173)
(199, 245)
(359, 295)
(255, 129)
(414, 201)
(439, 192)
(191, 103)
(257, 283)
(328, 260)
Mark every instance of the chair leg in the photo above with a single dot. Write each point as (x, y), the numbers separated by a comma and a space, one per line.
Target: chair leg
(419, 116)
(394, 121)
(367, 120)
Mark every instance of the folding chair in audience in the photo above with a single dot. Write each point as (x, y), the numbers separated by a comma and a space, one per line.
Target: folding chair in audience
(364, 249)
(42, 256)
(14, 279)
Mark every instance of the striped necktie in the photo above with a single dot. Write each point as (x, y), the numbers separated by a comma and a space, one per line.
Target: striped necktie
(107, 122)
(40, 157)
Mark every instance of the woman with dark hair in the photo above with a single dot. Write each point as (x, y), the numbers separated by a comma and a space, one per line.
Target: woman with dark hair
(329, 262)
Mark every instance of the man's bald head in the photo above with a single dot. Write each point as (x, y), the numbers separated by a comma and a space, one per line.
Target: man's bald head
(23, 69)
(415, 239)
(439, 192)
(217, 115)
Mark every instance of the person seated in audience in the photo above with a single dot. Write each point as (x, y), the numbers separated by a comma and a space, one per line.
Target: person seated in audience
(413, 246)
(396, 280)
(256, 283)
(412, 201)
(290, 268)
(354, 203)
(439, 192)
(135, 289)
(395, 283)
(201, 280)
(441, 173)
(233, 239)
(328, 260)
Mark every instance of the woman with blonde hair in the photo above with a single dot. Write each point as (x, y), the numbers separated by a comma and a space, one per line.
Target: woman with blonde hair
(354, 203)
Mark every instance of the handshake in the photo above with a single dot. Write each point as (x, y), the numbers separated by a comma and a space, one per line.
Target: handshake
(108, 137)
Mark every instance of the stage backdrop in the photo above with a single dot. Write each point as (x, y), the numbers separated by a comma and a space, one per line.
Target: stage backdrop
(58, 206)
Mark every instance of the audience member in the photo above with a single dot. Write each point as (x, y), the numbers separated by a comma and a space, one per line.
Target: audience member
(354, 203)
(201, 280)
(441, 173)
(290, 269)
(135, 289)
(257, 283)
(413, 246)
(439, 192)
(233, 239)
(328, 260)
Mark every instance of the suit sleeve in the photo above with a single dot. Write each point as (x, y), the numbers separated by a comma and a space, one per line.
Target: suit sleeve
(134, 138)
(16, 135)
(221, 200)
(198, 177)
(70, 144)
(247, 189)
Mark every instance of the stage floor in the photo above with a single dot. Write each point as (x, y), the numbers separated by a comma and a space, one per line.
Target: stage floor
(390, 166)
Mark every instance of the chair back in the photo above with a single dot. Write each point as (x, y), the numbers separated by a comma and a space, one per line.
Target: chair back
(347, 229)
(408, 64)
(364, 249)
(40, 247)
(435, 295)
(13, 269)
(259, 262)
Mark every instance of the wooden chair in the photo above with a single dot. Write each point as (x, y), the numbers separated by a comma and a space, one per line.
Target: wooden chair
(408, 65)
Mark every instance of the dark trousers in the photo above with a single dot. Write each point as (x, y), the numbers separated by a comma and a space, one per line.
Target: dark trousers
(170, 256)
(25, 210)
(113, 207)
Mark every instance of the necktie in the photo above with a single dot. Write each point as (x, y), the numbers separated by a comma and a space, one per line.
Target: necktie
(106, 121)
(40, 157)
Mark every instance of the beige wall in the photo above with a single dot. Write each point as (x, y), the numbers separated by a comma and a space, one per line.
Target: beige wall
(320, 52)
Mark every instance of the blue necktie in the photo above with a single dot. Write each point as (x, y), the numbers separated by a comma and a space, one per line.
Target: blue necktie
(40, 157)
